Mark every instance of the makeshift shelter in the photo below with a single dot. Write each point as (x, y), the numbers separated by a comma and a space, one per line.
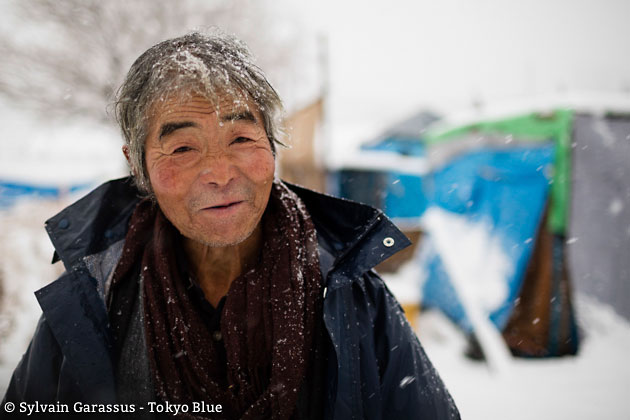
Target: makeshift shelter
(507, 176)
(540, 201)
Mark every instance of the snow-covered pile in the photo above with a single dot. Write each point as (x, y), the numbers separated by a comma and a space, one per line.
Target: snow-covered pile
(24, 268)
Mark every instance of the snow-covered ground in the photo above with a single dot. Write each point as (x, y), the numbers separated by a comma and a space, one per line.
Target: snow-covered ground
(594, 384)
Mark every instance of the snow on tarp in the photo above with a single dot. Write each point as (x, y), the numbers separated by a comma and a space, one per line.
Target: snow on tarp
(490, 205)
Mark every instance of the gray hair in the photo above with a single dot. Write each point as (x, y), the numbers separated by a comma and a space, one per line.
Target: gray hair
(210, 65)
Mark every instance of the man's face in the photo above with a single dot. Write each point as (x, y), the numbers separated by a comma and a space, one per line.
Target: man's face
(211, 168)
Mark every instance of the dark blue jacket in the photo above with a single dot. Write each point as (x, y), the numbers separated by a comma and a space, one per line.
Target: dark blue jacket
(376, 367)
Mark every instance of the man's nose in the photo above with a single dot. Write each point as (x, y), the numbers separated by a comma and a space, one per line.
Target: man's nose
(217, 169)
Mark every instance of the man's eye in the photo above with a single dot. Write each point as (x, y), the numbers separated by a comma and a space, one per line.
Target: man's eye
(241, 140)
(181, 149)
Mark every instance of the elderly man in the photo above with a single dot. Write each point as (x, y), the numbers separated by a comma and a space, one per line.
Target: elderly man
(204, 286)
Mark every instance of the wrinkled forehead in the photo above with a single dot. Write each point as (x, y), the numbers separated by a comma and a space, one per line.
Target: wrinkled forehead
(221, 102)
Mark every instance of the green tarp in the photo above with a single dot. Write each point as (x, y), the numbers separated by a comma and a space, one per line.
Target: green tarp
(556, 125)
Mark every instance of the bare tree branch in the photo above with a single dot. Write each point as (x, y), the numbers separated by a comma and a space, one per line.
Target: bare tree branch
(67, 57)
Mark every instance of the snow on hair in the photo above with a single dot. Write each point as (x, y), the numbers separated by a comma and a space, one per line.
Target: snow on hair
(207, 64)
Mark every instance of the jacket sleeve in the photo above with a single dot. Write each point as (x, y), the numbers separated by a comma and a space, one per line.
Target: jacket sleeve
(410, 385)
(36, 377)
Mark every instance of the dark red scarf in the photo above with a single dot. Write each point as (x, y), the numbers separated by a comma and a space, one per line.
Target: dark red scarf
(267, 324)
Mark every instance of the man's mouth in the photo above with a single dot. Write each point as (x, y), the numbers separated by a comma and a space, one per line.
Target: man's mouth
(225, 206)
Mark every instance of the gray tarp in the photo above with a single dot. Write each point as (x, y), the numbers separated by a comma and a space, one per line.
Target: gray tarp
(599, 230)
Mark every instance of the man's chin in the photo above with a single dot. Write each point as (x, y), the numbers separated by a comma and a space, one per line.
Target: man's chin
(221, 241)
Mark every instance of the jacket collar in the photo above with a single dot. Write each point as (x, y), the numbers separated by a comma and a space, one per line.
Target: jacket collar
(357, 236)
(94, 223)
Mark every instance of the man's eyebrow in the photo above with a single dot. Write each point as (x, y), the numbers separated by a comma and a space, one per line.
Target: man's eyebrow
(168, 128)
(238, 116)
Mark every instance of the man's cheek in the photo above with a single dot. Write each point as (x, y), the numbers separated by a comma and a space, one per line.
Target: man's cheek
(262, 169)
(167, 178)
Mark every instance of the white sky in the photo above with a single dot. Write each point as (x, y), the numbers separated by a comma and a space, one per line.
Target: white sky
(388, 59)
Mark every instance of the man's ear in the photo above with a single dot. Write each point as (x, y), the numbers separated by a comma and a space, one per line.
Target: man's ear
(125, 150)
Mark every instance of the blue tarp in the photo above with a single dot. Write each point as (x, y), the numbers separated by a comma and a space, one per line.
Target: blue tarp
(405, 197)
(401, 196)
(11, 191)
(506, 189)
